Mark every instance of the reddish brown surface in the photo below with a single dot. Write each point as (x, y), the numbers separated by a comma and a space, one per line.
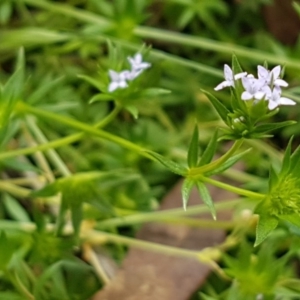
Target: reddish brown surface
(282, 21)
(147, 275)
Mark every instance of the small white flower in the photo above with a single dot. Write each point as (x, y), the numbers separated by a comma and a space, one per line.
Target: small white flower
(253, 88)
(118, 80)
(275, 99)
(137, 64)
(229, 78)
(131, 75)
(271, 77)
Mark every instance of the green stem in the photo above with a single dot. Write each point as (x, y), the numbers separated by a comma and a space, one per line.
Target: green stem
(96, 237)
(212, 45)
(168, 36)
(218, 162)
(54, 157)
(22, 107)
(59, 142)
(163, 214)
(14, 190)
(15, 280)
(233, 189)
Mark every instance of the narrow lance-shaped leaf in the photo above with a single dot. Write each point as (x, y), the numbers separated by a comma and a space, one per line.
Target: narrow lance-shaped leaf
(10, 94)
(94, 82)
(169, 164)
(272, 126)
(76, 210)
(209, 151)
(287, 158)
(295, 160)
(220, 108)
(273, 178)
(266, 223)
(7, 250)
(206, 198)
(193, 152)
(229, 163)
(236, 69)
(186, 191)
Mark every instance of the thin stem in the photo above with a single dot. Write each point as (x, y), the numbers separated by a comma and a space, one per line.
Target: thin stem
(43, 147)
(59, 142)
(233, 189)
(110, 117)
(54, 157)
(92, 258)
(218, 162)
(14, 190)
(168, 36)
(15, 280)
(39, 157)
(96, 237)
(84, 127)
(212, 45)
(163, 214)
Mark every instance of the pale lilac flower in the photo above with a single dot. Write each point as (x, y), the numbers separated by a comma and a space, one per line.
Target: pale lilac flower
(131, 75)
(253, 88)
(271, 77)
(275, 99)
(118, 80)
(137, 63)
(229, 78)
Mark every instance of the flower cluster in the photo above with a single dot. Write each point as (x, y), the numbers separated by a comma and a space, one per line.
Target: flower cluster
(120, 79)
(266, 87)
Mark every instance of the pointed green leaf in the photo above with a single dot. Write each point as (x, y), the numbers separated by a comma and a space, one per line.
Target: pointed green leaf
(209, 151)
(272, 126)
(218, 105)
(169, 164)
(76, 215)
(10, 94)
(132, 110)
(295, 161)
(48, 191)
(193, 152)
(92, 81)
(186, 191)
(203, 191)
(229, 163)
(287, 158)
(100, 97)
(273, 178)
(236, 67)
(266, 223)
(293, 219)
(14, 209)
(7, 250)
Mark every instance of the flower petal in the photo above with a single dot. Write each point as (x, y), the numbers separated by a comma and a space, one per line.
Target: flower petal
(240, 75)
(222, 85)
(281, 82)
(262, 72)
(113, 86)
(275, 72)
(246, 96)
(228, 74)
(272, 105)
(286, 101)
(114, 76)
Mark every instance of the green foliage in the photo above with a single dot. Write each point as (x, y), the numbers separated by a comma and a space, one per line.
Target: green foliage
(78, 156)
